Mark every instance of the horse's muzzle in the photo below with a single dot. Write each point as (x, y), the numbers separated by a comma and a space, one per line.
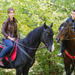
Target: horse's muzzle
(51, 49)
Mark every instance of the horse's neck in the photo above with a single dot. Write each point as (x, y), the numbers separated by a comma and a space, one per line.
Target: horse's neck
(34, 39)
(70, 46)
(32, 44)
(35, 44)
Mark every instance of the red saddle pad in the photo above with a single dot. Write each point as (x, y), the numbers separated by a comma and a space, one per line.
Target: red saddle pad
(13, 54)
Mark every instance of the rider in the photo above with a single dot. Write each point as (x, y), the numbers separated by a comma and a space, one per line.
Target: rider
(69, 20)
(9, 30)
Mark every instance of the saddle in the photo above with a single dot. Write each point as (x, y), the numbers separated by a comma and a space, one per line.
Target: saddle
(10, 55)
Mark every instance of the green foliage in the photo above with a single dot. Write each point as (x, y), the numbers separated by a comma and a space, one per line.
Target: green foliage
(33, 13)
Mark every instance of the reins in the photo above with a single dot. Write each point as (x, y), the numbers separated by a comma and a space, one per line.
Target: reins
(25, 46)
(22, 50)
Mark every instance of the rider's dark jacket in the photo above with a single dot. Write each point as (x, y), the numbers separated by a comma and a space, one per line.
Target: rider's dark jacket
(69, 20)
(9, 28)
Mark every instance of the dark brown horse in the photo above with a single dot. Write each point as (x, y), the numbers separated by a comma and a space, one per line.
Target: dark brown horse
(66, 35)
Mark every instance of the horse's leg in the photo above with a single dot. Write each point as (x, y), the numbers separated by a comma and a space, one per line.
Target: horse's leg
(72, 68)
(25, 71)
(19, 71)
(67, 68)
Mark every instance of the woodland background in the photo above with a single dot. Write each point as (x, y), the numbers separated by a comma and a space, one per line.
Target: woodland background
(31, 14)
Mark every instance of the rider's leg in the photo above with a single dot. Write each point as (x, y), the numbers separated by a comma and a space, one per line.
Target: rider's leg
(9, 46)
(61, 49)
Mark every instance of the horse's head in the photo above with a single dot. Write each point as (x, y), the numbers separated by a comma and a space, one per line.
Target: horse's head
(64, 33)
(47, 36)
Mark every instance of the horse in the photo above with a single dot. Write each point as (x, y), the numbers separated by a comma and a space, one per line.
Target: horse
(26, 57)
(66, 35)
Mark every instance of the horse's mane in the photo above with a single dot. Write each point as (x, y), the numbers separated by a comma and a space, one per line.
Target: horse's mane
(33, 35)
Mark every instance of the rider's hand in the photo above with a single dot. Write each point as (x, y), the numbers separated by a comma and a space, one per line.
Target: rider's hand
(13, 39)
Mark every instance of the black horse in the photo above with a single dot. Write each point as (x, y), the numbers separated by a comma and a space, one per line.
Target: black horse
(30, 44)
(66, 35)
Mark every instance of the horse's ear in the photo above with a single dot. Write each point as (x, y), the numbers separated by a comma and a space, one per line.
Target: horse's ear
(51, 24)
(45, 26)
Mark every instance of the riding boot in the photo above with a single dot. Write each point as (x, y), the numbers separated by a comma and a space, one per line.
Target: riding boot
(60, 54)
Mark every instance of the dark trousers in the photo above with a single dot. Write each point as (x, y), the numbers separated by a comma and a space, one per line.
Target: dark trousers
(61, 47)
(9, 45)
